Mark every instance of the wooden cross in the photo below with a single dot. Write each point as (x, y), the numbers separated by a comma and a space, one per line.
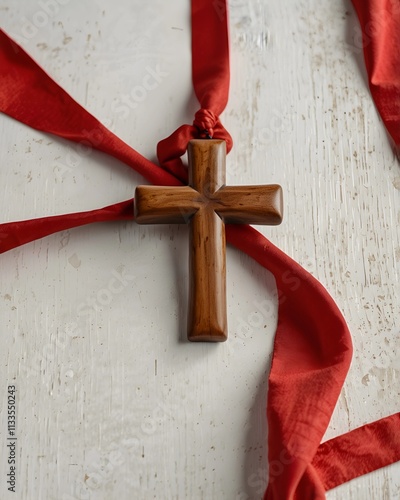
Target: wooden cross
(207, 204)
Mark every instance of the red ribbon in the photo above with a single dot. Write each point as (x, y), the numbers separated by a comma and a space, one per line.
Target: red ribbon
(312, 348)
(380, 24)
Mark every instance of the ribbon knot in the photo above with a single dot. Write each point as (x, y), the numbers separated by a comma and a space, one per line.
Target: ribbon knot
(205, 121)
(206, 124)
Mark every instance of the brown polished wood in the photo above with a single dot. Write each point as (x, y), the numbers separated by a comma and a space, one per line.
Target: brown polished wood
(207, 204)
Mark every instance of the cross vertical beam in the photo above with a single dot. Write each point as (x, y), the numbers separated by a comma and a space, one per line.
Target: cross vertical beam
(207, 318)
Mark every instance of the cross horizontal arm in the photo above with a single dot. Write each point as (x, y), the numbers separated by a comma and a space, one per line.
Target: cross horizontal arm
(250, 204)
(165, 205)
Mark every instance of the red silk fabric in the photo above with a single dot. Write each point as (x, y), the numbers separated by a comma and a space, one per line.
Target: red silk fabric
(312, 349)
(380, 25)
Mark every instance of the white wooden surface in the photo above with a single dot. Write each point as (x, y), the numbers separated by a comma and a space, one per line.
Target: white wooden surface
(112, 403)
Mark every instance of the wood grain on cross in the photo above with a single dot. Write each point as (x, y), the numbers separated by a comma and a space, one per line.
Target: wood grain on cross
(206, 204)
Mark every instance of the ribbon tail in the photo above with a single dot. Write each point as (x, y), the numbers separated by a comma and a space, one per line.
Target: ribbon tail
(380, 24)
(28, 94)
(359, 451)
(15, 234)
(312, 354)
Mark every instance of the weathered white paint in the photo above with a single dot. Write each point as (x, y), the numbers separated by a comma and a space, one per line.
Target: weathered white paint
(111, 403)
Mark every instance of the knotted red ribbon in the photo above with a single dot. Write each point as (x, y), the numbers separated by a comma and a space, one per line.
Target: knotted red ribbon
(211, 75)
(169, 151)
(312, 348)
